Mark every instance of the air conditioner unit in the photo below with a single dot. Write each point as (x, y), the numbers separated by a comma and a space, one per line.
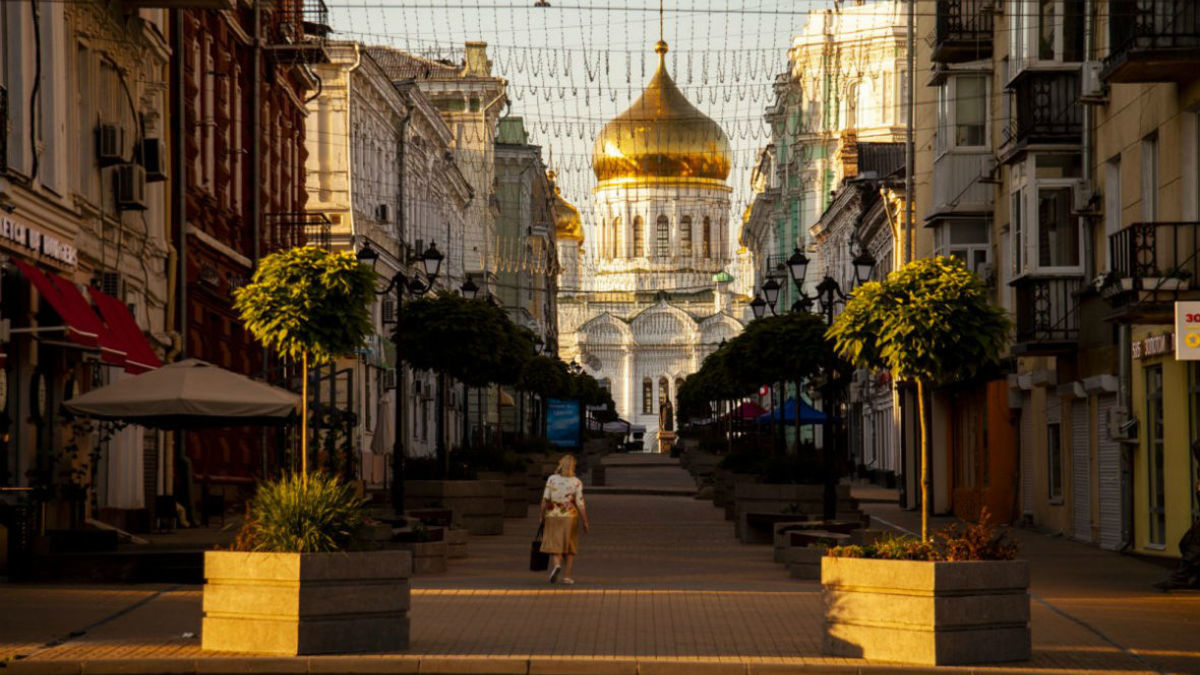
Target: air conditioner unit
(110, 283)
(383, 213)
(1121, 425)
(1083, 197)
(1092, 89)
(129, 184)
(154, 160)
(387, 310)
(110, 144)
(390, 379)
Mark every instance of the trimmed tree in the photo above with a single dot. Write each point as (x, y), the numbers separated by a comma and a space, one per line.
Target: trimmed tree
(308, 304)
(929, 322)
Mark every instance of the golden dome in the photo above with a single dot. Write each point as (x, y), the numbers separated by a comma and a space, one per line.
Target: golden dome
(661, 136)
(567, 222)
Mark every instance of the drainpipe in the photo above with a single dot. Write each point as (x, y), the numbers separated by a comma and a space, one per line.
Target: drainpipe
(256, 138)
(178, 308)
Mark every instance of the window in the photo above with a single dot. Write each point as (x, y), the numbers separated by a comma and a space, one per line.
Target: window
(662, 237)
(1018, 232)
(612, 238)
(647, 396)
(678, 384)
(664, 391)
(962, 113)
(1047, 30)
(1150, 178)
(639, 242)
(1058, 240)
(1112, 197)
(1045, 236)
(1054, 457)
(1156, 495)
(707, 251)
(967, 240)
(685, 236)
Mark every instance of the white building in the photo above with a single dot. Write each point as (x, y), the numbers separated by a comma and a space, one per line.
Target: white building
(653, 300)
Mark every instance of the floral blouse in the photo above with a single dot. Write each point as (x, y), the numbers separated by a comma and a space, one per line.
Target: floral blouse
(565, 495)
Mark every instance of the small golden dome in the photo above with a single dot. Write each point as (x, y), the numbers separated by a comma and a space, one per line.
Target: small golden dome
(662, 135)
(567, 222)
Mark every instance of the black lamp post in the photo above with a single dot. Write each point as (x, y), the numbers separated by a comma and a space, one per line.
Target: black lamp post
(431, 261)
(771, 293)
(758, 306)
(829, 294)
(470, 289)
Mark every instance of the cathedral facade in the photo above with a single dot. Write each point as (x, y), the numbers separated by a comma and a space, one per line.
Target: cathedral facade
(651, 299)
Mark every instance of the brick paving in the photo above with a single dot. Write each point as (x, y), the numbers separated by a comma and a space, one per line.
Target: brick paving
(662, 584)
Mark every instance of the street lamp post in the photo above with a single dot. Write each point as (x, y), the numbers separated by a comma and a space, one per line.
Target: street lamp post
(829, 294)
(431, 262)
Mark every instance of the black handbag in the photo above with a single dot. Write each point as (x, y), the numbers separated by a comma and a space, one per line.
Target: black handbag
(538, 561)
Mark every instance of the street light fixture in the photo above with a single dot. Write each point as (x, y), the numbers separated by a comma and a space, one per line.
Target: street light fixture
(771, 291)
(431, 259)
(758, 306)
(539, 345)
(863, 263)
(470, 289)
(798, 267)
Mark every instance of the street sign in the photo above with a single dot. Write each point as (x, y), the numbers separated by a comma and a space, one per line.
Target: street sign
(1187, 331)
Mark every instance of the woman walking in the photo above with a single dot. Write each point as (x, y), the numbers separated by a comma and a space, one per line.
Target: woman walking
(562, 510)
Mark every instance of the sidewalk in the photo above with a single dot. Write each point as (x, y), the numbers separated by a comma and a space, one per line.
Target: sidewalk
(663, 586)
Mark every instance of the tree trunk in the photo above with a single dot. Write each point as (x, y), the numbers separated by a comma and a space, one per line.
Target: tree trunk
(924, 462)
(304, 419)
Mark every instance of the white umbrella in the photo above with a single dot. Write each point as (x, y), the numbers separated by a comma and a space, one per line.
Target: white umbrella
(189, 394)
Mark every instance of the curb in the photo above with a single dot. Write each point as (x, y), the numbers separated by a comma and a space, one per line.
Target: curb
(370, 665)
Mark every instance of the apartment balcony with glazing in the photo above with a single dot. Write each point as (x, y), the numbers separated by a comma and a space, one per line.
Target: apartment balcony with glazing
(1152, 40)
(1048, 110)
(1153, 266)
(1047, 312)
(964, 31)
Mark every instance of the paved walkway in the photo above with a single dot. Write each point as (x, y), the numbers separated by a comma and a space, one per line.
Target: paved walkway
(662, 583)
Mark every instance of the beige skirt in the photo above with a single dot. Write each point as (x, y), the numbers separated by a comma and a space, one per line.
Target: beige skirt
(561, 535)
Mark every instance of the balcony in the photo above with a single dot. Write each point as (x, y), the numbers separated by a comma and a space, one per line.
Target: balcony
(290, 230)
(964, 31)
(1047, 315)
(963, 184)
(1153, 266)
(298, 31)
(1048, 111)
(1152, 40)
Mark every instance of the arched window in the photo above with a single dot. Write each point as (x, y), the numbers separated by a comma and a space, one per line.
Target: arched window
(647, 396)
(613, 237)
(639, 239)
(707, 250)
(664, 390)
(852, 93)
(685, 236)
(662, 237)
(678, 384)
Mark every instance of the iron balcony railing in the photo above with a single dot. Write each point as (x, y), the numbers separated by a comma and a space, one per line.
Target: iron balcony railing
(1153, 24)
(1048, 109)
(1047, 313)
(1157, 256)
(298, 31)
(290, 230)
(964, 30)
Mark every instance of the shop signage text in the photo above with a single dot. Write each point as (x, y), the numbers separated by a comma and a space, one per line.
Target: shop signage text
(1187, 331)
(28, 239)
(1154, 345)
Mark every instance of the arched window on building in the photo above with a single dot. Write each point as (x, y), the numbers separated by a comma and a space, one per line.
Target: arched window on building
(664, 390)
(852, 94)
(647, 396)
(678, 384)
(662, 238)
(707, 250)
(685, 236)
(613, 237)
(639, 239)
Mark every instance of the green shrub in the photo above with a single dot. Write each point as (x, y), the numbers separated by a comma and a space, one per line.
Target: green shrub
(287, 516)
(972, 542)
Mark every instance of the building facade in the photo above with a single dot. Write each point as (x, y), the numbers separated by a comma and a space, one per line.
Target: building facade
(655, 299)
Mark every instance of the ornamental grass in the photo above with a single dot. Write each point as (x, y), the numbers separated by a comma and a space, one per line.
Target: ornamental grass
(290, 515)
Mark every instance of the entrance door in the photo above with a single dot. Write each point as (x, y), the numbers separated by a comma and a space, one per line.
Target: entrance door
(1081, 470)
(1108, 465)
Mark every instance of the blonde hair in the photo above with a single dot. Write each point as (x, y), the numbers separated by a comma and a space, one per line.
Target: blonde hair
(566, 466)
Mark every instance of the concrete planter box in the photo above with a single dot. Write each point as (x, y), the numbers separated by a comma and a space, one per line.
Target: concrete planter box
(478, 505)
(804, 562)
(428, 557)
(456, 543)
(306, 603)
(516, 502)
(927, 613)
(803, 502)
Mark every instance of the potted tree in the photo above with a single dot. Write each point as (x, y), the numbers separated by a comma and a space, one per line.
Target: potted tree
(929, 322)
(289, 582)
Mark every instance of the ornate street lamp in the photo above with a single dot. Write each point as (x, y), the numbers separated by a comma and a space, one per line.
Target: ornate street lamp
(771, 291)
(431, 259)
(798, 267)
(470, 289)
(758, 306)
(863, 264)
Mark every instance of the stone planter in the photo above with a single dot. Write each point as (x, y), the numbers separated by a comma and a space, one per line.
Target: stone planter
(428, 557)
(928, 613)
(478, 505)
(306, 603)
(802, 502)
(599, 474)
(516, 502)
(456, 543)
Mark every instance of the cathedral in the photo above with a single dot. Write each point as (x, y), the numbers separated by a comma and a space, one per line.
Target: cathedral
(651, 297)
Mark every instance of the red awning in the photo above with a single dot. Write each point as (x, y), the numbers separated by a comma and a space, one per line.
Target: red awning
(112, 350)
(747, 411)
(139, 355)
(83, 326)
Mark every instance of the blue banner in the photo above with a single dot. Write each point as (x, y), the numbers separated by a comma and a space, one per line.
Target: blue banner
(563, 423)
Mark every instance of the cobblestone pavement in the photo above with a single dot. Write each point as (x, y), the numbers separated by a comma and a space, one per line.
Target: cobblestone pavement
(661, 580)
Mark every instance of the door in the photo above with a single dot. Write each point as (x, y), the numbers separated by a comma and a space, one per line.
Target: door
(1108, 465)
(1026, 451)
(1081, 470)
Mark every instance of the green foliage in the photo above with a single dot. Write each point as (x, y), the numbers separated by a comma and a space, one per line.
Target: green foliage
(545, 376)
(930, 321)
(469, 340)
(308, 300)
(290, 516)
(977, 541)
(588, 390)
(785, 348)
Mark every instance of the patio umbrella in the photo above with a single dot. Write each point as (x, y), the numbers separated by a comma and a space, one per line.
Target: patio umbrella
(190, 394)
(808, 414)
